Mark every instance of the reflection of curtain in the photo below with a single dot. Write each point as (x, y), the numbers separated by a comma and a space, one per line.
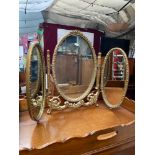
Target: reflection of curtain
(21, 58)
(24, 41)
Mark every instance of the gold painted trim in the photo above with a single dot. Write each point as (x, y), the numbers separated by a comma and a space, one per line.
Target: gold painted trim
(74, 33)
(126, 78)
(56, 104)
(35, 100)
(98, 74)
(48, 72)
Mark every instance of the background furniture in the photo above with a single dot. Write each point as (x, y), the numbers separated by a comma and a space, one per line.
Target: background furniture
(131, 86)
(117, 71)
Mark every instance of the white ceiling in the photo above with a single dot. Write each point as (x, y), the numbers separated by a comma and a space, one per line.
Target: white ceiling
(28, 23)
(103, 15)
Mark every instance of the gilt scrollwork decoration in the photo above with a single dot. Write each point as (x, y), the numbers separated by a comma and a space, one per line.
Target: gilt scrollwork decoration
(56, 104)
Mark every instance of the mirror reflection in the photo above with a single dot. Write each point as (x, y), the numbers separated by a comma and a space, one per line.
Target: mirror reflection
(35, 81)
(34, 71)
(74, 66)
(114, 77)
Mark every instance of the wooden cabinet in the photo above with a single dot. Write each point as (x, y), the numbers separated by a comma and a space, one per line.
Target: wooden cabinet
(131, 87)
(87, 131)
(66, 68)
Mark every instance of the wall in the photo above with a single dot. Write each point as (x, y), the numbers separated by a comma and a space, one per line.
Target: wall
(130, 36)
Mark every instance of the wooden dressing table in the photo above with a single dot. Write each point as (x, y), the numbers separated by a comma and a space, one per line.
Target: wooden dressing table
(86, 131)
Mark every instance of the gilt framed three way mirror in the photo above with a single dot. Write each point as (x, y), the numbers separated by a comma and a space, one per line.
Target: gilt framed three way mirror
(114, 77)
(74, 70)
(35, 81)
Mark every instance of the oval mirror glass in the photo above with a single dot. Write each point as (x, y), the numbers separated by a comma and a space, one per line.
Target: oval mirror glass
(35, 81)
(74, 66)
(35, 71)
(114, 77)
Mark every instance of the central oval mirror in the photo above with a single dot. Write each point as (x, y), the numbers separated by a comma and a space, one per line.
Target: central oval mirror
(114, 77)
(74, 66)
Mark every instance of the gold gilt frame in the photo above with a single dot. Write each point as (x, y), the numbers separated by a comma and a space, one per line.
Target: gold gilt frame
(55, 102)
(34, 101)
(126, 78)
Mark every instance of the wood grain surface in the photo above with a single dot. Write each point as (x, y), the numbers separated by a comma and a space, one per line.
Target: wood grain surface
(61, 126)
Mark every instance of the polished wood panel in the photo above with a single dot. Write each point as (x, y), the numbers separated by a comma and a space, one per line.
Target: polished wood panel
(131, 68)
(115, 83)
(87, 68)
(23, 104)
(126, 149)
(69, 72)
(114, 94)
(22, 78)
(131, 87)
(66, 68)
(78, 131)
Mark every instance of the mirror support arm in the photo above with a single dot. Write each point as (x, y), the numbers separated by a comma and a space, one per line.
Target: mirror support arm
(98, 75)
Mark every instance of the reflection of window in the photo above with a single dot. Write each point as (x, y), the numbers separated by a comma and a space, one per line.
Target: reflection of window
(69, 46)
(75, 44)
(62, 32)
(85, 50)
(71, 40)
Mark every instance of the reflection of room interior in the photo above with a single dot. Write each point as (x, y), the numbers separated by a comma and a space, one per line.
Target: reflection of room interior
(74, 57)
(73, 73)
(77, 71)
(114, 90)
(73, 90)
(114, 94)
(115, 66)
(118, 66)
(69, 115)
